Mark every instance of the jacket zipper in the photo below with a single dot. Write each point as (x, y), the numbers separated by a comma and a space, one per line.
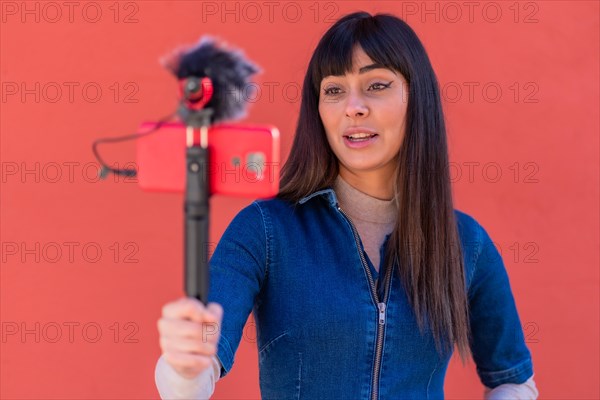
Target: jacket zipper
(381, 309)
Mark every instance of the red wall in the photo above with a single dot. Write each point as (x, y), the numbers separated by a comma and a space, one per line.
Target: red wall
(81, 324)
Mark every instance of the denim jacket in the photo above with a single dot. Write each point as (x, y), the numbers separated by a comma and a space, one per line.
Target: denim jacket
(325, 330)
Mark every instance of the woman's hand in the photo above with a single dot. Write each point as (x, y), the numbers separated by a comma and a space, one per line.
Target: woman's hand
(189, 334)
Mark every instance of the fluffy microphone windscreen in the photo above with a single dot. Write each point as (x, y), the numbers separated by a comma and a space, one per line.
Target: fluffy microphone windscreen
(227, 68)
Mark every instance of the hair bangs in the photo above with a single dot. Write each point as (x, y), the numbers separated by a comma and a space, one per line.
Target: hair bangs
(333, 59)
(334, 55)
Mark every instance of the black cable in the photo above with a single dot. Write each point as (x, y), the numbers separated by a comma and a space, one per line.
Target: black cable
(130, 172)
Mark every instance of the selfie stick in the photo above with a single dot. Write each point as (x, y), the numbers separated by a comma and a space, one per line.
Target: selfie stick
(198, 68)
(197, 193)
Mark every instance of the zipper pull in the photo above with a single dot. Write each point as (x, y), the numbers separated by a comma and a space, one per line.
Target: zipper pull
(381, 313)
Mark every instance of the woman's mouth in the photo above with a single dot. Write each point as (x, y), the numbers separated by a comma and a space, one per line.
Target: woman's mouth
(359, 140)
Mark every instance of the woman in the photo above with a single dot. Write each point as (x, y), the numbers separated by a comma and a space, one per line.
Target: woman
(361, 275)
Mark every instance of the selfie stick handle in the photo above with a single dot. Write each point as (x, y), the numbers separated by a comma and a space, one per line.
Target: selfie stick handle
(196, 211)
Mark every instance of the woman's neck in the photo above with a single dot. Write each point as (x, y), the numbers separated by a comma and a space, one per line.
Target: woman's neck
(361, 206)
(373, 183)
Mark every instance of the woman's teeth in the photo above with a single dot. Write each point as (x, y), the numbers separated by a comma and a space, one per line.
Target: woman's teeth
(361, 136)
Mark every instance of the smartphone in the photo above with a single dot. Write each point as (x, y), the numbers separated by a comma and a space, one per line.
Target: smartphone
(243, 159)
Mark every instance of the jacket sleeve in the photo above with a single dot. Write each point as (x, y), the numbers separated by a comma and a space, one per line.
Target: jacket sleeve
(498, 343)
(238, 268)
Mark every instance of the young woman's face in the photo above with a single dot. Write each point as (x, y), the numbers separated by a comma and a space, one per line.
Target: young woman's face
(372, 101)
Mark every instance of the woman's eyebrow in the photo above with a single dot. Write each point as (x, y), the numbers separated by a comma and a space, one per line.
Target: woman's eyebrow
(368, 68)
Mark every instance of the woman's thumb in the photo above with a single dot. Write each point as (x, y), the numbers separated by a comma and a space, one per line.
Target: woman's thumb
(215, 309)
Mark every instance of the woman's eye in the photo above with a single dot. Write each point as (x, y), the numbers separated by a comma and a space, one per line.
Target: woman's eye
(381, 86)
(328, 91)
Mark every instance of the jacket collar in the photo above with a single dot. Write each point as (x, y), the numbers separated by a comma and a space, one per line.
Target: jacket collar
(328, 193)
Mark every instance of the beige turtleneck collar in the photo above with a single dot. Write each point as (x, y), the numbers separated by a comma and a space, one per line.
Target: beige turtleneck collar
(373, 218)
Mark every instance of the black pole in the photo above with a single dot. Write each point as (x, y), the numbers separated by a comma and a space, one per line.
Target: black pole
(196, 207)
(196, 224)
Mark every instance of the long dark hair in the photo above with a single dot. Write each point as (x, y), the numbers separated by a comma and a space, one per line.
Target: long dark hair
(425, 239)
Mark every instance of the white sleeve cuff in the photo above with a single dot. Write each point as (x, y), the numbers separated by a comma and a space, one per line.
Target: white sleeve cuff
(524, 391)
(173, 386)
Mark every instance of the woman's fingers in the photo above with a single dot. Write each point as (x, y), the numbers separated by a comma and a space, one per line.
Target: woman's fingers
(189, 334)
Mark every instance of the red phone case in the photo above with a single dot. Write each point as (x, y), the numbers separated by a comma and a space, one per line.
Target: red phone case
(243, 159)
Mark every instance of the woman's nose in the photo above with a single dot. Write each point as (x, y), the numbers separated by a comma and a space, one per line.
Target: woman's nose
(356, 106)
